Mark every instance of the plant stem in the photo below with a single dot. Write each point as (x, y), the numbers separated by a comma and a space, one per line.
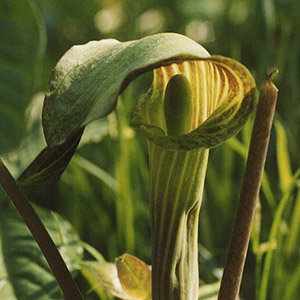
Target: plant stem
(40, 234)
(234, 266)
(177, 180)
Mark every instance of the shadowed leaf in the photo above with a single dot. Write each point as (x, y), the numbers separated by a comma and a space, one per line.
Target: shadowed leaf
(24, 272)
(22, 46)
(49, 165)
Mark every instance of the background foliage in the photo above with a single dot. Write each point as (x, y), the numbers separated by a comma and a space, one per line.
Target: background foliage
(104, 192)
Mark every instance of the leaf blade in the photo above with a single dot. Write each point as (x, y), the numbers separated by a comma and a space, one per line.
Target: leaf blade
(135, 276)
(23, 268)
(23, 45)
(49, 165)
(87, 80)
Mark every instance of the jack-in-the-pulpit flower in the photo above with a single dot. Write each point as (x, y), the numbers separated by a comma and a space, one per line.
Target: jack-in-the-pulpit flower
(190, 107)
(196, 102)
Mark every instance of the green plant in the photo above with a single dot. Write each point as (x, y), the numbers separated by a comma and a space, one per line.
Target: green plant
(206, 120)
(50, 164)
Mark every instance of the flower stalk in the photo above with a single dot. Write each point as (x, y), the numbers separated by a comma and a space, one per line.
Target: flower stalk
(177, 180)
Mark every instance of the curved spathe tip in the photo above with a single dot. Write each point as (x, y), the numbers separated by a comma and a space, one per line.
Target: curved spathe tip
(224, 93)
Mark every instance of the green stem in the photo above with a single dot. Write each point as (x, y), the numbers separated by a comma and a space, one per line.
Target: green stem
(234, 266)
(177, 180)
(40, 234)
(124, 203)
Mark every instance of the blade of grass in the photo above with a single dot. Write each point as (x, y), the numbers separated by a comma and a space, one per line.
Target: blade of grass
(283, 159)
(272, 237)
(125, 192)
(93, 169)
(294, 234)
(241, 149)
(292, 288)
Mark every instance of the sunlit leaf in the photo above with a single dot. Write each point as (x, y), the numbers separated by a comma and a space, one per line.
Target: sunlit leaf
(135, 276)
(104, 275)
(24, 272)
(87, 80)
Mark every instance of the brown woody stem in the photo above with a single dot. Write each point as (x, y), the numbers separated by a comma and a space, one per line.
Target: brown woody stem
(40, 234)
(234, 266)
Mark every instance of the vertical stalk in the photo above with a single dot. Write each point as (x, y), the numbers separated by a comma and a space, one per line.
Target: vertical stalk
(177, 180)
(124, 203)
(234, 266)
(40, 234)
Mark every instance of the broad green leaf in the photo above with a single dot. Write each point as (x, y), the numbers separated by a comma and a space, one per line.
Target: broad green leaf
(22, 46)
(24, 272)
(135, 276)
(49, 165)
(87, 80)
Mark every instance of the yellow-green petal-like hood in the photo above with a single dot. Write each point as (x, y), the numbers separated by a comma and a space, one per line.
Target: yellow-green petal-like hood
(223, 94)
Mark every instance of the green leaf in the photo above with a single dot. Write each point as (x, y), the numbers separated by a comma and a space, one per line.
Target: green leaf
(24, 272)
(127, 278)
(22, 46)
(87, 80)
(49, 165)
(104, 275)
(135, 276)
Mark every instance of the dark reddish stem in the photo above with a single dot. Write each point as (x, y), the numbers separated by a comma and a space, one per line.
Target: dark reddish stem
(40, 234)
(234, 266)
